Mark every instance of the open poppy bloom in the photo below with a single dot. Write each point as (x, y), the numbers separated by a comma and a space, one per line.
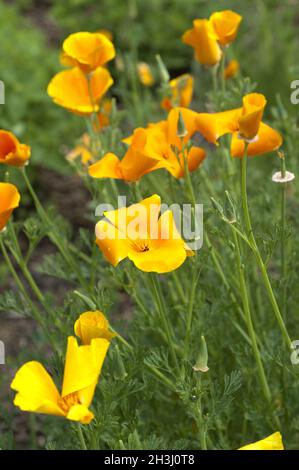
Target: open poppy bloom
(207, 49)
(91, 325)
(244, 124)
(181, 91)
(225, 25)
(153, 244)
(70, 89)
(12, 152)
(232, 69)
(158, 146)
(273, 442)
(88, 51)
(38, 393)
(9, 200)
(145, 74)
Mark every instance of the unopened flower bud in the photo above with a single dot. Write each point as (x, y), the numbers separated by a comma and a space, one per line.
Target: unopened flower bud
(162, 69)
(202, 359)
(119, 372)
(182, 131)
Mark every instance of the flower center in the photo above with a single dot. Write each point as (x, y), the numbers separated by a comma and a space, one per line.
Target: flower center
(68, 401)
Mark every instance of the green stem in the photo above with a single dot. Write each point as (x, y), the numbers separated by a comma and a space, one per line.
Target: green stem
(158, 297)
(257, 252)
(283, 250)
(81, 437)
(179, 287)
(200, 420)
(34, 310)
(55, 237)
(222, 69)
(251, 332)
(190, 312)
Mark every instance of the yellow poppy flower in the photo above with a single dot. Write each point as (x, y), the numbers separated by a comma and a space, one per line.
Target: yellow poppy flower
(207, 49)
(69, 89)
(225, 25)
(145, 74)
(91, 325)
(232, 69)
(181, 89)
(153, 244)
(9, 200)
(244, 124)
(12, 152)
(37, 393)
(88, 51)
(273, 442)
(158, 146)
(82, 151)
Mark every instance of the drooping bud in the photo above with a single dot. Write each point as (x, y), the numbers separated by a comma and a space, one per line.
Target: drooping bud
(182, 131)
(119, 371)
(162, 69)
(202, 358)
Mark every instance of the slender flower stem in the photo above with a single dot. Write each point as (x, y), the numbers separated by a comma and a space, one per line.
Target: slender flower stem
(81, 437)
(200, 420)
(256, 251)
(158, 297)
(190, 312)
(34, 310)
(251, 332)
(283, 241)
(179, 287)
(222, 68)
(54, 236)
(213, 253)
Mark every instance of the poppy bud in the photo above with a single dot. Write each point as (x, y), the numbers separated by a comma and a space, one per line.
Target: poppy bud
(182, 131)
(202, 358)
(120, 372)
(162, 69)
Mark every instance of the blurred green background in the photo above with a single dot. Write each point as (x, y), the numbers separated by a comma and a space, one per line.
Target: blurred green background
(32, 31)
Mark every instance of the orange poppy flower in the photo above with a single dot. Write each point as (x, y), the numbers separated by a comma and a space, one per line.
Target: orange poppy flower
(158, 146)
(207, 49)
(88, 51)
(153, 244)
(181, 90)
(251, 116)
(70, 90)
(225, 25)
(12, 152)
(9, 200)
(145, 74)
(232, 69)
(82, 151)
(244, 124)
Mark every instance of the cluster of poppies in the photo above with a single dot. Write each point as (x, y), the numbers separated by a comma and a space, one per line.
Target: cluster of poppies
(161, 145)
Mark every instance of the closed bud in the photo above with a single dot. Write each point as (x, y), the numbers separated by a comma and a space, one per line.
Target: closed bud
(217, 207)
(202, 358)
(162, 69)
(182, 131)
(119, 372)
